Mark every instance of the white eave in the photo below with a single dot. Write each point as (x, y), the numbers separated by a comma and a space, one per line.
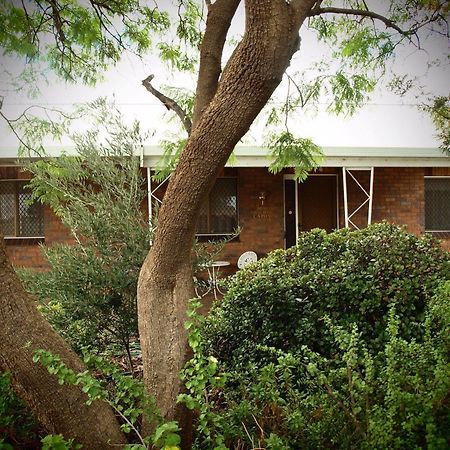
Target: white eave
(254, 156)
(247, 156)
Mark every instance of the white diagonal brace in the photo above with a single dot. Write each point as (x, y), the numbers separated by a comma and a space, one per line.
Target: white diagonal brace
(369, 195)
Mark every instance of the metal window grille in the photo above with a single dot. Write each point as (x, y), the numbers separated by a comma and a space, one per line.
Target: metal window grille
(437, 204)
(19, 217)
(219, 213)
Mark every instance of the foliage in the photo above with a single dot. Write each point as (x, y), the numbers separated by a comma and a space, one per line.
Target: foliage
(440, 113)
(57, 442)
(125, 394)
(17, 426)
(199, 374)
(80, 41)
(89, 292)
(77, 53)
(166, 165)
(395, 396)
(351, 276)
(301, 154)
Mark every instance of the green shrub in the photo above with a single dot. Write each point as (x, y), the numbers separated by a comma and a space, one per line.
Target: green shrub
(125, 394)
(89, 292)
(352, 277)
(396, 397)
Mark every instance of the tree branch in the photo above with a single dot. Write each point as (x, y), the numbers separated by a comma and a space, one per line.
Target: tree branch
(169, 103)
(317, 11)
(218, 23)
(57, 21)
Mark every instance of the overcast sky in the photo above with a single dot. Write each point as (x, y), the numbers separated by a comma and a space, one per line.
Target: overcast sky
(387, 121)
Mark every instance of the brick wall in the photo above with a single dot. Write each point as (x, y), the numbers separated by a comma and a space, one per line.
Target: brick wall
(398, 197)
(27, 252)
(262, 225)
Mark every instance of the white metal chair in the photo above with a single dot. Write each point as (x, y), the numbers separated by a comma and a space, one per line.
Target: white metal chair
(247, 258)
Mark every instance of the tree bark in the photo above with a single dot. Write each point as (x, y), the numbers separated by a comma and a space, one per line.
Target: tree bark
(165, 283)
(220, 15)
(59, 408)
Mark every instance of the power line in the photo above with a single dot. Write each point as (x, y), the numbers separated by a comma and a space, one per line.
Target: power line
(5, 103)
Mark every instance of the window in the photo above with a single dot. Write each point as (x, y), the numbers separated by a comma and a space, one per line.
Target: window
(19, 217)
(219, 213)
(437, 203)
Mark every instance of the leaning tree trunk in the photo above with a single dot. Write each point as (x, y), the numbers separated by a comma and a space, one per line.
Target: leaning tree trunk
(165, 284)
(59, 409)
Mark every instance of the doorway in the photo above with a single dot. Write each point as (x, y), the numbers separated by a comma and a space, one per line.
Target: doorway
(308, 205)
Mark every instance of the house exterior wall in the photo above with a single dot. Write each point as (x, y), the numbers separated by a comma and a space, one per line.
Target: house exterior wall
(398, 196)
(27, 252)
(262, 225)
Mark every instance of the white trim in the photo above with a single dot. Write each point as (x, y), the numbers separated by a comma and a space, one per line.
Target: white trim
(149, 195)
(369, 218)
(13, 238)
(258, 156)
(344, 183)
(369, 195)
(332, 161)
(291, 177)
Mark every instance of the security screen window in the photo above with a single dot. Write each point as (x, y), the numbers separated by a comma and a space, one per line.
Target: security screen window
(437, 204)
(19, 218)
(219, 213)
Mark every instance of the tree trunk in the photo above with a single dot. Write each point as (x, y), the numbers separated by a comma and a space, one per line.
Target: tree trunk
(165, 284)
(59, 409)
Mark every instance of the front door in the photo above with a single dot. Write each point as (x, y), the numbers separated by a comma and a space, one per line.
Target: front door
(308, 205)
(317, 203)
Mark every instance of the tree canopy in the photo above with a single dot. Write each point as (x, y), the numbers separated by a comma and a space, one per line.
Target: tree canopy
(78, 40)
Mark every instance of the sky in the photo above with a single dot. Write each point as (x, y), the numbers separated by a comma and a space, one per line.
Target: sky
(386, 121)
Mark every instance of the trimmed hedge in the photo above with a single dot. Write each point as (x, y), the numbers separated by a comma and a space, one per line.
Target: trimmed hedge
(349, 276)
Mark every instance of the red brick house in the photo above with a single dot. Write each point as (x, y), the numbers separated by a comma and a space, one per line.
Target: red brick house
(354, 187)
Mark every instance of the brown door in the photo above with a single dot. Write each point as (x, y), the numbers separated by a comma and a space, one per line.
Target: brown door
(317, 203)
(290, 213)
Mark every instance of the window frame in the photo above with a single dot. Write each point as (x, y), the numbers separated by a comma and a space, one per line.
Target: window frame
(203, 236)
(430, 177)
(17, 183)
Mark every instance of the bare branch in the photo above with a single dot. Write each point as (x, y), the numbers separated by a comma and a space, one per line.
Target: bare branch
(169, 103)
(19, 138)
(359, 12)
